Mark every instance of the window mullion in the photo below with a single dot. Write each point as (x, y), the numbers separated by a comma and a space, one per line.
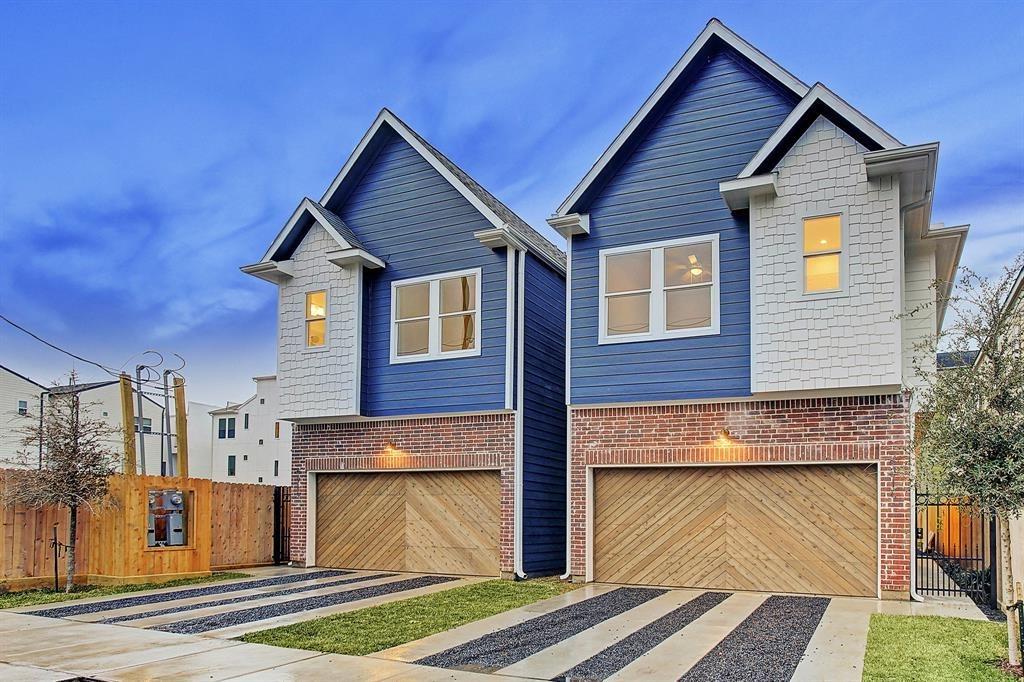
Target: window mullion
(657, 302)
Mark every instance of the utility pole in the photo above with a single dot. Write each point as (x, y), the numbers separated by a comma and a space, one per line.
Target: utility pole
(167, 425)
(127, 423)
(138, 424)
(181, 419)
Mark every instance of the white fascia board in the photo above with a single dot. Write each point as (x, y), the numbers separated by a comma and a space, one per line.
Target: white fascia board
(499, 237)
(346, 257)
(304, 206)
(571, 224)
(737, 192)
(715, 28)
(396, 124)
(959, 234)
(275, 272)
(819, 93)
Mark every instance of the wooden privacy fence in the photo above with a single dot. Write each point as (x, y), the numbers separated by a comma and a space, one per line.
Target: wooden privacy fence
(228, 525)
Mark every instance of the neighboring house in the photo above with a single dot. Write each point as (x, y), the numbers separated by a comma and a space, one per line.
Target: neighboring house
(421, 358)
(19, 410)
(103, 400)
(738, 258)
(251, 443)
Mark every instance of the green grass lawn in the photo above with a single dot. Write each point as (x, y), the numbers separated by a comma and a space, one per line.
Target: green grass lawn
(48, 596)
(929, 648)
(375, 628)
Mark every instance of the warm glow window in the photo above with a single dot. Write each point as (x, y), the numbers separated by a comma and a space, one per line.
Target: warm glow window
(316, 319)
(822, 248)
(435, 317)
(661, 290)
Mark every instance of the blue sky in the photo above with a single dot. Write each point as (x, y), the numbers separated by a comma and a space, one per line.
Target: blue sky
(149, 149)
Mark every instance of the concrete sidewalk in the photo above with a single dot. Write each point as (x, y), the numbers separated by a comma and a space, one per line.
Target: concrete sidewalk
(49, 649)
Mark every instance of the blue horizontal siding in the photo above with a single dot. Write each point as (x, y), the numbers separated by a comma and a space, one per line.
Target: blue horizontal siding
(544, 420)
(667, 187)
(409, 216)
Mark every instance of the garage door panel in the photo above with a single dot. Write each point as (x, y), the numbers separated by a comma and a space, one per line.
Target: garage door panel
(430, 522)
(794, 528)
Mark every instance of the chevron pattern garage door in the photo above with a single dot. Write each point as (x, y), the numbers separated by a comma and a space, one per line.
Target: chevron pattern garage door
(424, 522)
(806, 529)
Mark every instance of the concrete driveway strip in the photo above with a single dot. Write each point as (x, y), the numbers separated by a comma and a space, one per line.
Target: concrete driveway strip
(152, 619)
(677, 654)
(108, 615)
(211, 666)
(446, 640)
(339, 668)
(836, 651)
(234, 631)
(503, 648)
(563, 655)
(25, 673)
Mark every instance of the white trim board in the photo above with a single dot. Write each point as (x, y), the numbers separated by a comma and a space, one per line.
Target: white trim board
(714, 29)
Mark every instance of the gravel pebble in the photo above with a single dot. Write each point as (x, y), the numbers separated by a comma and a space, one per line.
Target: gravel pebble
(235, 600)
(229, 618)
(505, 647)
(139, 600)
(767, 646)
(609, 661)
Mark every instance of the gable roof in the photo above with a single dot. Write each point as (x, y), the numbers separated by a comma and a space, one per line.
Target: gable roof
(497, 213)
(79, 388)
(819, 101)
(22, 376)
(714, 33)
(296, 228)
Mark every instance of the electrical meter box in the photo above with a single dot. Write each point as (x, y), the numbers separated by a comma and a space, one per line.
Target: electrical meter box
(167, 519)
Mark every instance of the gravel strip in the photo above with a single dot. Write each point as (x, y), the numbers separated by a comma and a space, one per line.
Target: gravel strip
(505, 647)
(223, 620)
(235, 600)
(767, 646)
(609, 661)
(139, 600)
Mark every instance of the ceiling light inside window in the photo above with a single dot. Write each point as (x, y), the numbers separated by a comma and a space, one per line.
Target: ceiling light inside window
(695, 269)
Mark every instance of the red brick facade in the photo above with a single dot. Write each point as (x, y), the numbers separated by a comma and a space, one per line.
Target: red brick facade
(849, 429)
(485, 441)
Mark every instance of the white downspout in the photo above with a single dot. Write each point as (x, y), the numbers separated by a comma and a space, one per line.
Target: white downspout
(520, 357)
(568, 410)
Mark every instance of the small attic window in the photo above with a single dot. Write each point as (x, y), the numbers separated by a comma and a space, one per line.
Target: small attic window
(822, 249)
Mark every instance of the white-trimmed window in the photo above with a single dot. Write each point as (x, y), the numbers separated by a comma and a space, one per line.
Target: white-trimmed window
(659, 290)
(316, 319)
(435, 317)
(822, 254)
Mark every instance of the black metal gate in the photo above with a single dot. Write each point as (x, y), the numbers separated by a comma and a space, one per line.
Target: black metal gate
(956, 549)
(282, 524)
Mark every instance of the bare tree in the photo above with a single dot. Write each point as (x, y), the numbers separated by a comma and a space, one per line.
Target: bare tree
(973, 445)
(79, 454)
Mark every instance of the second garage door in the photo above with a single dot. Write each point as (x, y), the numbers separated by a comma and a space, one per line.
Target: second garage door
(422, 522)
(806, 529)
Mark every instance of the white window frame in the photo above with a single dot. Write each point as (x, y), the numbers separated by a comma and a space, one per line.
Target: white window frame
(23, 407)
(306, 320)
(656, 315)
(434, 318)
(843, 252)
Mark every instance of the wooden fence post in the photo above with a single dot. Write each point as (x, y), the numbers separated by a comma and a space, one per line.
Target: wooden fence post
(128, 424)
(181, 425)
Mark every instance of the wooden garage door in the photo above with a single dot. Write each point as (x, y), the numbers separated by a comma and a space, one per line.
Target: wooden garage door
(807, 529)
(424, 522)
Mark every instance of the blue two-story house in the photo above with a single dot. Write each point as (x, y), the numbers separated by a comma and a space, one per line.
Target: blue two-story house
(739, 259)
(421, 359)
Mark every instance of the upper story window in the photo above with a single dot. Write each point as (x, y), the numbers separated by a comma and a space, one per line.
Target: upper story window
(660, 290)
(435, 317)
(226, 427)
(316, 319)
(277, 429)
(231, 465)
(147, 425)
(22, 407)
(822, 251)
(245, 420)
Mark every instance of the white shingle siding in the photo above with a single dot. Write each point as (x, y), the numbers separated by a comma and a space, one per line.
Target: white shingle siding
(833, 341)
(918, 296)
(320, 382)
